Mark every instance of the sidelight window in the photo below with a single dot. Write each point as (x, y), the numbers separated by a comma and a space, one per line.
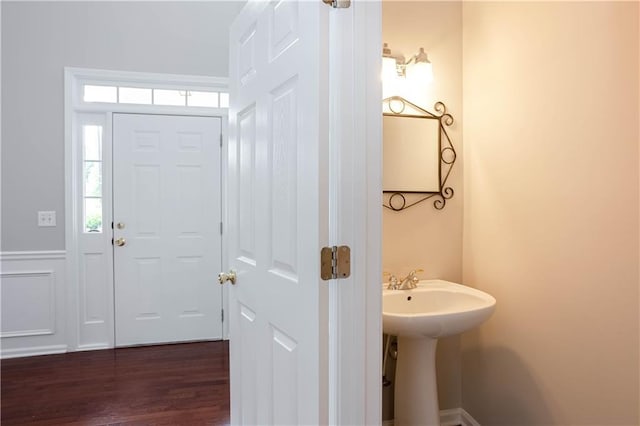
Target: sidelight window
(92, 177)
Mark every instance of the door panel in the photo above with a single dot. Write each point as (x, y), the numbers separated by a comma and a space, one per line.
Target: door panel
(277, 213)
(167, 195)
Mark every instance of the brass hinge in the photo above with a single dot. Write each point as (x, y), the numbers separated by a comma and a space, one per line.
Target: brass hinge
(338, 4)
(335, 262)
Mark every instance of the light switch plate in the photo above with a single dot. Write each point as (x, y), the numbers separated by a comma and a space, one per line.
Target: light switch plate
(47, 218)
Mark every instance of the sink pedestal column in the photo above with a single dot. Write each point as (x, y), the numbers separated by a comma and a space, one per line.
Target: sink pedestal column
(416, 391)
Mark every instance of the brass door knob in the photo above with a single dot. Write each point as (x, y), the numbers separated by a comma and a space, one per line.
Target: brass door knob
(223, 277)
(120, 242)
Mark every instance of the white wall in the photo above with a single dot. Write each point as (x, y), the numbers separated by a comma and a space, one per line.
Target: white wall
(423, 237)
(551, 211)
(38, 40)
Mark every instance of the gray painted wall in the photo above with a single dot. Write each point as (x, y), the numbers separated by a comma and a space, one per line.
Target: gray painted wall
(38, 40)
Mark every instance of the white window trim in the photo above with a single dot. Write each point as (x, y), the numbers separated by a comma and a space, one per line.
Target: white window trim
(81, 76)
(75, 109)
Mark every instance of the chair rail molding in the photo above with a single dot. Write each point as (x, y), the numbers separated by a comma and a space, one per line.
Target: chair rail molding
(32, 288)
(33, 255)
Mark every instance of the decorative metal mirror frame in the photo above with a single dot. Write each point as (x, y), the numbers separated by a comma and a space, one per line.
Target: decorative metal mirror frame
(447, 153)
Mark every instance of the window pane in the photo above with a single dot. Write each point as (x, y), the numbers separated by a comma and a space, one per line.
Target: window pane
(92, 141)
(134, 95)
(224, 100)
(92, 178)
(92, 215)
(169, 97)
(202, 99)
(100, 94)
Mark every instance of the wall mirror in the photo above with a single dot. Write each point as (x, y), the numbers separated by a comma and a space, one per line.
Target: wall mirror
(418, 154)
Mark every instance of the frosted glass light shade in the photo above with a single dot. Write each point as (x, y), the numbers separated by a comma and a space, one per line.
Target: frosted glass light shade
(420, 73)
(389, 70)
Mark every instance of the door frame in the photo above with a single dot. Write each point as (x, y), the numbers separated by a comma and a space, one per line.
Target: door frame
(355, 193)
(99, 332)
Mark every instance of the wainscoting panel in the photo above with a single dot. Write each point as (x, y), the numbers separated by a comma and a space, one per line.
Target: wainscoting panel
(32, 291)
(94, 286)
(28, 303)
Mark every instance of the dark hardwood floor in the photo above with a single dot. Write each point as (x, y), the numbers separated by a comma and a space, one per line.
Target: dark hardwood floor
(182, 384)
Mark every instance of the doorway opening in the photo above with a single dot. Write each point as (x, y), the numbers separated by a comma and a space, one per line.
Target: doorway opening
(144, 191)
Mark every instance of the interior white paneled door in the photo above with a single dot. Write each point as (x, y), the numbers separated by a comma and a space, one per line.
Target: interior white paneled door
(166, 196)
(278, 213)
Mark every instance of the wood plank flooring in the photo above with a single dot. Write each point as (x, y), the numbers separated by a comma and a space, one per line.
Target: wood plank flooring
(182, 384)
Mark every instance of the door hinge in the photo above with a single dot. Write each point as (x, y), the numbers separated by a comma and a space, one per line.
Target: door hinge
(338, 4)
(220, 228)
(335, 262)
(220, 140)
(222, 315)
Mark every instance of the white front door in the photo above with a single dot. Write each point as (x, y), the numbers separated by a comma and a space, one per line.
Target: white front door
(277, 217)
(167, 244)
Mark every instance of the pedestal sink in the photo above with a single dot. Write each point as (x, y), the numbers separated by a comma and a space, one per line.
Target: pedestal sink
(420, 316)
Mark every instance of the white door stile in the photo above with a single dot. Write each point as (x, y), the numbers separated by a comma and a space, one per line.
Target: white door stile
(108, 220)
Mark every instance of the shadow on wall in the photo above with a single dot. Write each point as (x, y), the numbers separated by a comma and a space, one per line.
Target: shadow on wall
(492, 372)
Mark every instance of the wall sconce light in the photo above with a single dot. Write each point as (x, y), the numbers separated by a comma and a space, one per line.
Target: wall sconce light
(417, 69)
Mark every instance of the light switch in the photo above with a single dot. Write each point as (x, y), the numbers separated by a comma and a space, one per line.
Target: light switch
(47, 218)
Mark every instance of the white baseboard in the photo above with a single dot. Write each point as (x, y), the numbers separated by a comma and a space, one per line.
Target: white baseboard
(33, 351)
(94, 347)
(452, 417)
(466, 418)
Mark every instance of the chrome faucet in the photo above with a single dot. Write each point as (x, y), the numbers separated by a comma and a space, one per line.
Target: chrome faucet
(410, 281)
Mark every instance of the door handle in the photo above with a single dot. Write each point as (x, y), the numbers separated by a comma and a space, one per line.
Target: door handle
(120, 242)
(223, 277)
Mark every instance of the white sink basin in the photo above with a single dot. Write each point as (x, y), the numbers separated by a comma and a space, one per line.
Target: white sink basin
(420, 316)
(434, 309)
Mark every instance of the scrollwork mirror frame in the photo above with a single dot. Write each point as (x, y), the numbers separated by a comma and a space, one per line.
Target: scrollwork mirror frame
(396, 106)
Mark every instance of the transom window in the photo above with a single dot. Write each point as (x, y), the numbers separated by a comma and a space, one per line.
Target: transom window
(92, 93)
